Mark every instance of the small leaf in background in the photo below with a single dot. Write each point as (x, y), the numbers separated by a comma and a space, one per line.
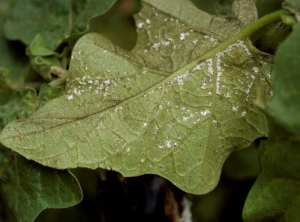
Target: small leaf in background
(285, 106)
(159, 109)
(42, 58)
(38, 47)
(54, 20)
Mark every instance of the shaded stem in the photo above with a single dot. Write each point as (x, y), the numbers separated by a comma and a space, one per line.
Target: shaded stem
(249, 30)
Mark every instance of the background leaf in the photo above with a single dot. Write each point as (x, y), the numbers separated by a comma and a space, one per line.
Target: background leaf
(21, 105)
(27, 187)
(285, 106)
(54, 20)
(276, 193)
(13, 62)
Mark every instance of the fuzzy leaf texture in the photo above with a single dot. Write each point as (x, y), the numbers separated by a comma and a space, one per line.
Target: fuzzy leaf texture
(169, 107)
(275, 195)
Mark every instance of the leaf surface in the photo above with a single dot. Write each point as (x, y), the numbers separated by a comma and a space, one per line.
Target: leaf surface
(54, 20)
(171, 106)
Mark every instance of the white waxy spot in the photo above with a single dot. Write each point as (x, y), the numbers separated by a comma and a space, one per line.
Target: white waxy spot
(118, 108)
(255, 70)
(235, 108)
(169, 144)
(205, 112)
(179, 79)
(106, 82)
(215, 122)
(140, 25)
(203, 84)
(166, 43)
(209, 63)
(227, 95)
(70, 97)
(186, 118)
(182, 36)
(148, 21)
(243, 113)
(156, 45)
(219, 72)
(160, 146)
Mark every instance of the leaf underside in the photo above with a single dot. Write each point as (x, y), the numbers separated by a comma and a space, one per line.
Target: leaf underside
(160, 109)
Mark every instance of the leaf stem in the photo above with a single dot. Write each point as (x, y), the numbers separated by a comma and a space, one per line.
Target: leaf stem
(249, 30)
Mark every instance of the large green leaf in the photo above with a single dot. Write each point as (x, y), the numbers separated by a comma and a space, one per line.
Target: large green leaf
(54, 20)
(27, 187)
(285, 106)
(171, 107)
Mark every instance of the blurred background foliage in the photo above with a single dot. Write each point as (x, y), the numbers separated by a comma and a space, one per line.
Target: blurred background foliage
(108, 196)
